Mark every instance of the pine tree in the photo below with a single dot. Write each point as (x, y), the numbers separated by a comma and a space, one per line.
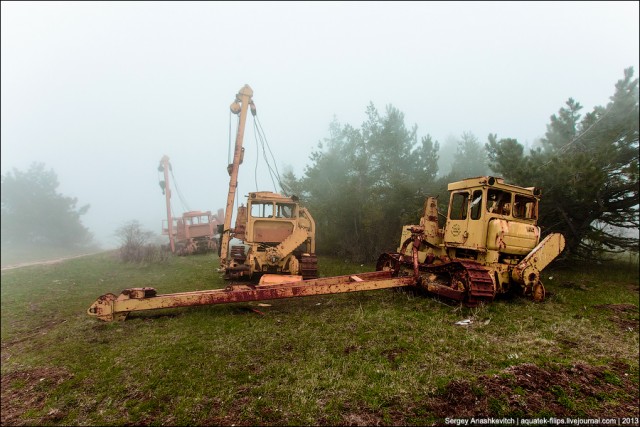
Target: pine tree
(34, 213)
(588, 171)
(470, 159)
(364, 184)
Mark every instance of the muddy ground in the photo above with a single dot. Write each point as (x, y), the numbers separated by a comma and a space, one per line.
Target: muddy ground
(524, 390)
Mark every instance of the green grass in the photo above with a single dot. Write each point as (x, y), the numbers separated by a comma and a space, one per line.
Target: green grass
(336, 359)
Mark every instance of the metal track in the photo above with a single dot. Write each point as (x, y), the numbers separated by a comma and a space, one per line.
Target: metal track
(480, 283)
(309, 266)
(478, 286)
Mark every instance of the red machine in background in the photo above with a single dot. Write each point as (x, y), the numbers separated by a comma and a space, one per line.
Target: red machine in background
(194, 232)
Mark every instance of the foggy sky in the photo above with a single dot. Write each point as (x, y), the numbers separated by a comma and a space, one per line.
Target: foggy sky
(101, 91)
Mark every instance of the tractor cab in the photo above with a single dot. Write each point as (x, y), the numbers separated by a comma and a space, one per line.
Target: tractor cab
(485, 214)
(271, 217)
(278, 236)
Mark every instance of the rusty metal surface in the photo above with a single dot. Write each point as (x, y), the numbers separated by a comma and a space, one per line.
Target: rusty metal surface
(240, 106)
(471, 273)
(268, 279)
(528, 270)
(108, 307)
(445, 291)
(456, 279)
(102, 308)
(167, 190)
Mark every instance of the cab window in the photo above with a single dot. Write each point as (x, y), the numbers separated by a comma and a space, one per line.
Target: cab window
(476, 204)
(262, 210)
(498, 202)
(459, 202)
(284, 210)
(524, 207)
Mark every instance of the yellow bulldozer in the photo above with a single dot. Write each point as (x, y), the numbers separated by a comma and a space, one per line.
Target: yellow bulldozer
(278, 238)
(490, 243)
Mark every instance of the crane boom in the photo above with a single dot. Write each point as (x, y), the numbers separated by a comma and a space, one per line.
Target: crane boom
(240, 106)
(164, 166)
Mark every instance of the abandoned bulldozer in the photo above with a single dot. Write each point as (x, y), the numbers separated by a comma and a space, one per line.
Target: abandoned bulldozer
(490, 244)
(276, 234)
(193, 233)
(278, 238)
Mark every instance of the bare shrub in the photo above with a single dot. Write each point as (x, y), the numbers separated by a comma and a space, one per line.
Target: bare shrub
(135, 246)
(155, 254)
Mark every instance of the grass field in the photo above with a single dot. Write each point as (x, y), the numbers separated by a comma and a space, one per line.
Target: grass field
(371, 358)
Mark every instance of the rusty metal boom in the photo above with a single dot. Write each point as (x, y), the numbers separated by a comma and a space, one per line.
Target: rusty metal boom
(109, 307)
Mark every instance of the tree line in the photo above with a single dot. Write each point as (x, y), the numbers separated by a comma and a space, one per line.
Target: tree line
(363, 184)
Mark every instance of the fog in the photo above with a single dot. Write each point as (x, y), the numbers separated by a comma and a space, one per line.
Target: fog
(101, 91)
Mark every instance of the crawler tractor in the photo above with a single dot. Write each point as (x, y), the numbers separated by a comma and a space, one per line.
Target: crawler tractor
(194, 233)
(277, 234)
(489, 245)
(280, 237)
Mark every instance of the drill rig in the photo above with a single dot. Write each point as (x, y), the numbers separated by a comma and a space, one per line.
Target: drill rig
(277, 234)
(192, 233)
(489, 245)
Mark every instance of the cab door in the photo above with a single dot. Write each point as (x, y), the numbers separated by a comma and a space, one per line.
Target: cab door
(456, 231)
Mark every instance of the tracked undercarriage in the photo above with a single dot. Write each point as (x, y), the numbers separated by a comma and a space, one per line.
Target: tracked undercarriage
(465, 281)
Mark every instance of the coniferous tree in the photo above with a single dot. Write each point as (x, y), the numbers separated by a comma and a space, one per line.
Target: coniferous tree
(34, 213)
(364, 184)
(470, 159)
(587, 168)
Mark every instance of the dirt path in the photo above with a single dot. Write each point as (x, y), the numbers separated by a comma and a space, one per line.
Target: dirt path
(46, 262)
